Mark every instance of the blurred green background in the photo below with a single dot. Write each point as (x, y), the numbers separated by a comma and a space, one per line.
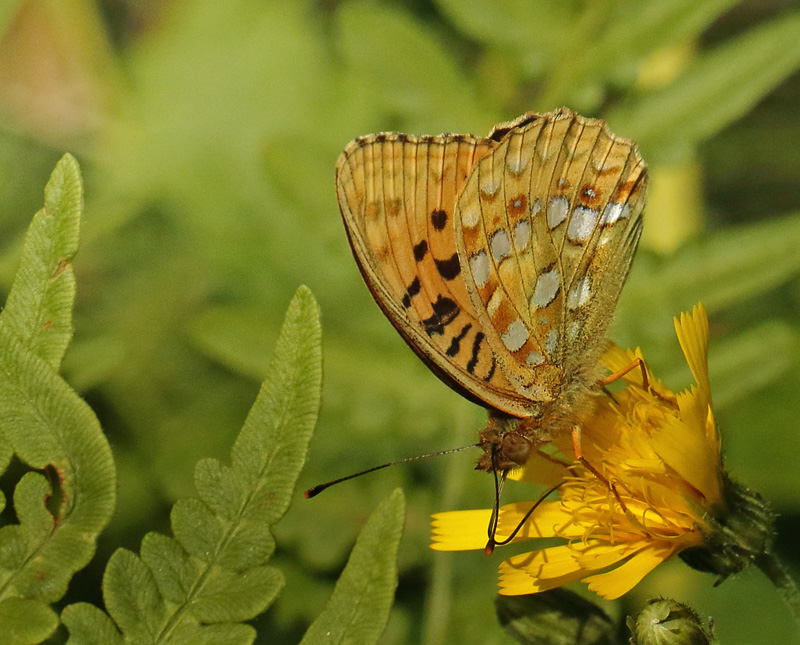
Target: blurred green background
(208, 133)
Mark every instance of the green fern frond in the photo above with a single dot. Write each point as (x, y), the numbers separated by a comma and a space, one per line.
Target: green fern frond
(199, 586)
(359, 607)
(46, 424)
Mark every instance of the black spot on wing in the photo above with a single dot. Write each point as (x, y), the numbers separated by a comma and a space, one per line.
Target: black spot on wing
(439, 219)
(420, 250)
(413, 290)
(448, 269)
(476, 347)
(444, 312)
(455, 343)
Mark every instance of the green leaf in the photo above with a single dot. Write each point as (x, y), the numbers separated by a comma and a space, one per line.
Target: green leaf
(718, 88)
(196, 528)
(271, 448)
(743, 354)
(26, 621)
(42, 420)
(511, 23)
(628, 32)
(197, 587)
(173, 569)
(39, 306)
(132, 597)
(556, 617)
(359, 607)
(640, 28)
(7, 12)
(725, 269)
(221, 634)
(230, 596)
(89, 625)
(49, 425)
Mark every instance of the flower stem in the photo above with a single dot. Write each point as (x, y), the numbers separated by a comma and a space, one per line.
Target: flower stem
(786, 586)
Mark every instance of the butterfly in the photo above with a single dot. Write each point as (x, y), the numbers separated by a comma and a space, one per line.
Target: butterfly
(500, 261)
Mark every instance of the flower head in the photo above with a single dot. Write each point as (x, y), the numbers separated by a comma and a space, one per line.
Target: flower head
(656, 492)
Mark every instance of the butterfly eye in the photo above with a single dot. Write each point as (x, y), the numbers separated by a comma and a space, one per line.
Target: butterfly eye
(516, 448)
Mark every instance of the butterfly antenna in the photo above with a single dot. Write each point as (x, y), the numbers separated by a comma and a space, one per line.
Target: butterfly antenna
(316, 490)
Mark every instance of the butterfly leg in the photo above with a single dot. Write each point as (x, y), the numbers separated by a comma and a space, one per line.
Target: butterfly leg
(637, 362)
(576, 444)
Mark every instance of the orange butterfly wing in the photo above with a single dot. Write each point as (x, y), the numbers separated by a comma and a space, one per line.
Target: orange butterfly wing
(547, 226)
(397, 194)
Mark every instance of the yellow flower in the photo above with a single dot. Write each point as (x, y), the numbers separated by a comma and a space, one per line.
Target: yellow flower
(662, 486)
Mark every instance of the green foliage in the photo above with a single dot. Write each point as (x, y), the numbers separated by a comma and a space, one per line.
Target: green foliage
(46, 425)
(198, 586)
(556, 617)
(727, 278)
(719, 87)
(208, 133)
(359, 608)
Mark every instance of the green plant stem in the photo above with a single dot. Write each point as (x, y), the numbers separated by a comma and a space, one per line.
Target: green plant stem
(779, 576)
(438, 615)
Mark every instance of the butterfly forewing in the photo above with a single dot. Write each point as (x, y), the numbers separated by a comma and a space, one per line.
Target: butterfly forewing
(397, 195)
(547, 225)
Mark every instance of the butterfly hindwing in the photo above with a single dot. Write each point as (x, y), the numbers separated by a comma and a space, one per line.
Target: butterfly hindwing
(547, 226)
(397, 194)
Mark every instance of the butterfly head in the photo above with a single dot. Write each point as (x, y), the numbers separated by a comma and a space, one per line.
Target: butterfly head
(507, 441)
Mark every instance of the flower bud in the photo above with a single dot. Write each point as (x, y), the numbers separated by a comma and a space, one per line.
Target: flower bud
(667, 622)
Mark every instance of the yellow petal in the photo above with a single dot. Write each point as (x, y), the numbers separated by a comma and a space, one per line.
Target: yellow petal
(539, 571)
(692, 331)
(520, 583)
(541, 468)
(460, 530)
(695, 410)
(615, 358)
(686, 450)
(550, 519)
(597, 556)
(625, 577)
